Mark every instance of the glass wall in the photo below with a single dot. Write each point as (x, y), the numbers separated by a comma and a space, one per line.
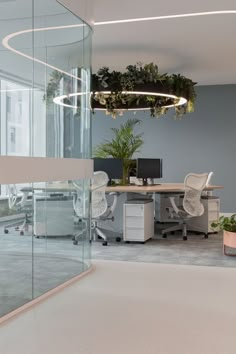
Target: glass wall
(45, 113)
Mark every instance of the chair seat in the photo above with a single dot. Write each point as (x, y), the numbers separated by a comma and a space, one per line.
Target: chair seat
(181, 214)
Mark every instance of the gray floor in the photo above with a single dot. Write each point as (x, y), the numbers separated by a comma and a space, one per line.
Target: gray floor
(18, 286)
(24, 276)
(173, 250)
(56, 260)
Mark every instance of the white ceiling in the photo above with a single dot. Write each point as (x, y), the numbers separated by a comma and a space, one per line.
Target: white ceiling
(201, 48)
(60, 48)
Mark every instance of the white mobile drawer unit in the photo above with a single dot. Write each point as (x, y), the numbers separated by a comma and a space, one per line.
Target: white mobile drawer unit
(138, 220)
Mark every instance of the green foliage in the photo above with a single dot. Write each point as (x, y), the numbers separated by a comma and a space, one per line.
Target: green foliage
(138, 77)
(122, 146)
(225, 223)
(124, 143)
(53, 85)
(141, 78)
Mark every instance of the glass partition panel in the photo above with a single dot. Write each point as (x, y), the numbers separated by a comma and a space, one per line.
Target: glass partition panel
(16, 274)
(57, 257)
(45, 113)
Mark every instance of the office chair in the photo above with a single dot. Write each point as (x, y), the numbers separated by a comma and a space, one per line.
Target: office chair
(192, 206)
(19, 206)
(210, 174)
(100, 210)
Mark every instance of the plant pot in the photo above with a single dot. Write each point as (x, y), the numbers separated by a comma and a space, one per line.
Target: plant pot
(229, 240)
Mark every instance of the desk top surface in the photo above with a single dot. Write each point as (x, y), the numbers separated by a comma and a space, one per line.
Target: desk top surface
(161, 188)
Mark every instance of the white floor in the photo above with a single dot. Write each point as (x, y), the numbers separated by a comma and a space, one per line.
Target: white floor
(132, 308)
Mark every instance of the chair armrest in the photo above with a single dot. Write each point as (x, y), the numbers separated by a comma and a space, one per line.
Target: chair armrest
(23, 200)
(174, 206)
(114, 201)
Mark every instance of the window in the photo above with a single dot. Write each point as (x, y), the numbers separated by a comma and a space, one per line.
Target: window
(12, 139)
(8, 104)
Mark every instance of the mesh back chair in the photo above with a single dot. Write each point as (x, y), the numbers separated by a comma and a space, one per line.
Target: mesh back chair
(210, 174)
(19, 205)
(192, 206)
(100, 210)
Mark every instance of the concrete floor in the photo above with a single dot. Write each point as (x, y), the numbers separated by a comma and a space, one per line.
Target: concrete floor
(56, 260)
(25, 275)
(173, 250)
(132, 308)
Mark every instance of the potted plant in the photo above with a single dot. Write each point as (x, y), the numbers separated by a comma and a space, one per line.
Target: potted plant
(122, 146)
(228, 225)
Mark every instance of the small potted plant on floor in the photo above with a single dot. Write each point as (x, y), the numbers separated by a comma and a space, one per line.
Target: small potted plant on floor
(228, 225)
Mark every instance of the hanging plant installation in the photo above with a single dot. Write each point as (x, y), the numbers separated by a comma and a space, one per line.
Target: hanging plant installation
(141, 88)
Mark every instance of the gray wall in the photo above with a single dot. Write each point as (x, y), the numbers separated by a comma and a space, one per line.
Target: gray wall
(202, 141)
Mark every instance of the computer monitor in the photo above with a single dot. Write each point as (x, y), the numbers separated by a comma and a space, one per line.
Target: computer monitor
(113, 167)
(149, 168)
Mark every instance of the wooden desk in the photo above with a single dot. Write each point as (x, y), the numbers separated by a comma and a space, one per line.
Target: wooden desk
(161, 188)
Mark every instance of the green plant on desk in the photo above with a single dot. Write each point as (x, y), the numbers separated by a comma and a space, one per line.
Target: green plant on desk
(225, 223)
(122, 146)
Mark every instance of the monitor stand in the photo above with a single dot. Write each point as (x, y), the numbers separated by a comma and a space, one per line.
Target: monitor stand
(109, 183)
(153, 184)
(144, 181)
(150, 184)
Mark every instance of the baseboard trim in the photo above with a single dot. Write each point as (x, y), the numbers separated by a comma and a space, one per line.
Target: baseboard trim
(43, 297)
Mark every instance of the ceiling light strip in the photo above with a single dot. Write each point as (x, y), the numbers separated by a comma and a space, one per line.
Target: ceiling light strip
(181, 100)
(165, 17)
(5, 41)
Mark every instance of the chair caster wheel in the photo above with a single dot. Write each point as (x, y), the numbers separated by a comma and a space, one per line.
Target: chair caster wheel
(164, 236)
(185, 238)
(6, 231)
(118, 239)
(73, 238)
(22, 233)
(104, 243)
(75, 242)
(17, 228)
(206, 236)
